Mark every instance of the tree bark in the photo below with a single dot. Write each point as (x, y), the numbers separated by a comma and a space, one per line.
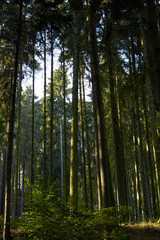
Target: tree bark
(83, 146)
(16, 213)
(6, 229)
(2, 198)
(119, 157)
(51, 118)
(32, 138)
(88, 148)
(44, 181)
(74, 121)
(64, 128)
(104, 164)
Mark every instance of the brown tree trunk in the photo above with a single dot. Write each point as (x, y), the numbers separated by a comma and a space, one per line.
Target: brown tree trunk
(83, 146)
(6, 229)
(2, 196)
(44, 181)
(74, 121)
(88, 147)
(32, 139)
(120, 162)
(51, 118)
(101, 141)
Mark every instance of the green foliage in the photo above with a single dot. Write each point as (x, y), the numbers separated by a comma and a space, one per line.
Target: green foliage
(47, 218)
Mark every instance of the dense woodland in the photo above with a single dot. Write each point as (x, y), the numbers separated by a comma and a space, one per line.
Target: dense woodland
(89, 149)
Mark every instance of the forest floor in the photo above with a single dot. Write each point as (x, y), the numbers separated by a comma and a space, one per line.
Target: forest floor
(148, 231)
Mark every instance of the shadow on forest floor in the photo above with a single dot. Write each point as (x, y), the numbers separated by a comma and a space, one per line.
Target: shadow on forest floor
(146, 231)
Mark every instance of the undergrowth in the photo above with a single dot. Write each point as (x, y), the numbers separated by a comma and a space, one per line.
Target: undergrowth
(46, 218)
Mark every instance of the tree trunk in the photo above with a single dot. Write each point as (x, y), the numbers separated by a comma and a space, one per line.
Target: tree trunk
(135, 144)
(101, 141)
(88, 147)
(83, 146)
(136, 167)
(64, 128)
(120, 162)
(44, 182)
(2, 198)
(150, 162)
(16, 213)
(6, 229)
(62, 164)
(74, 121)
(142, 165)
(32, 149)
(51, 118)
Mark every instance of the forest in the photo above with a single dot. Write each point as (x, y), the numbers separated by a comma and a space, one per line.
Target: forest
(82, 160)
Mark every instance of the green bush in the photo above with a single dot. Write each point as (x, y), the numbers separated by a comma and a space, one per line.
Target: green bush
(47, 218)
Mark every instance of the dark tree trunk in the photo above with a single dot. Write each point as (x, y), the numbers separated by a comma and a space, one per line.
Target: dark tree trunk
(51, 118)
(74, 123)
(2, 196)
(119, 157)
(44, 182)
(104, 164)
(83, 146)
(33, 90)
(16, 213)
(66, 190)
(88, 148)
(6, 229)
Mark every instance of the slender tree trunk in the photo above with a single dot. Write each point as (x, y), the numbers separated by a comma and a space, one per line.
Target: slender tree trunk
(16, 213)
(88, 147)
(51, 119)
(74, 121)
(6, 229)
(136, 166)
(142, 165)
(32, 139)
(23, 177)
(62, 164)
(142, 159)
(64, 128)
(2, 196)
(135, 144)
(44, 121)
(150, 162)
(120, 162)
(83, 147)
(104, 164)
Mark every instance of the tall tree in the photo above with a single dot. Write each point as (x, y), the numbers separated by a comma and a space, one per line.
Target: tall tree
(33, 96)
(119, 157)
(6, 229)
(18, 143)
(44, 118)
(83, 144)
(74, 121)
(51, 118)
(64, 125)
(101, 141)
(88, 146)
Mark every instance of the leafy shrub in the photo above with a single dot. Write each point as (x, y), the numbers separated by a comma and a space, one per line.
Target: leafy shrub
(47, 218)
